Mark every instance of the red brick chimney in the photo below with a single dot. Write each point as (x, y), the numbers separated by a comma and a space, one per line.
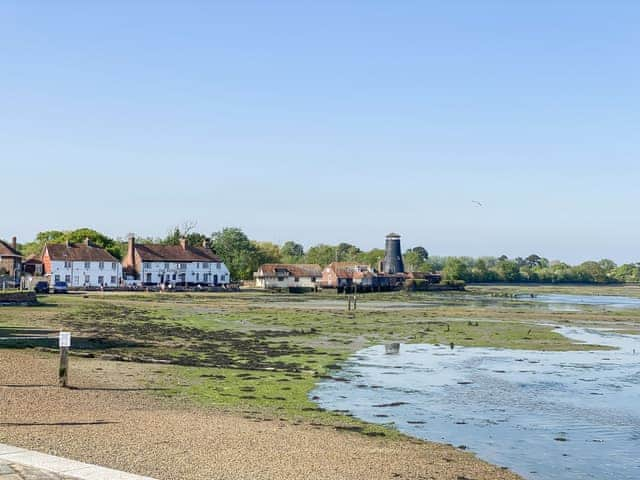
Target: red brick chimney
(14, 243)
(131, 252)
(183, 243)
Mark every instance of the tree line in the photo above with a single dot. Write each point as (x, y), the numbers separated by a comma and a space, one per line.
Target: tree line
(243, 256)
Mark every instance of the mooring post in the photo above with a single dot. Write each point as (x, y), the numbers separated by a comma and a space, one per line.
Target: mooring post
(349, 303)
(64, 342)
(355, 302)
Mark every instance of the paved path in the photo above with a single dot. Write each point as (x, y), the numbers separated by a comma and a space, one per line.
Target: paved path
(20, 464)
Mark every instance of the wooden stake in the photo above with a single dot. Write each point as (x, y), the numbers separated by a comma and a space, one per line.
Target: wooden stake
(63, 370)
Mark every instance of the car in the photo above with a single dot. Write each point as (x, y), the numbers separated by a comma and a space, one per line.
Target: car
(60, 287)
(42, 287)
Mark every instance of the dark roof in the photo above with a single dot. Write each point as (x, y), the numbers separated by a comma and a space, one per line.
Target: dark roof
(294, 269)
(7, 250)
(175, 253)
(78, 252)
(393, 235)
(32, 259)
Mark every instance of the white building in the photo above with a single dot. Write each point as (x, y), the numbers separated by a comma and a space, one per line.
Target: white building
(174, 265)
(81, 265)
(284, 275)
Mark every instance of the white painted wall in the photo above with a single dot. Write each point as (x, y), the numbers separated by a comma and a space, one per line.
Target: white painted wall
(194, 273)
(286, 282)
(87, 274)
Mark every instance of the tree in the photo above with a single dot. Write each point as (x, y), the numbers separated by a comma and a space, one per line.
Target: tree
(455, 269)
(508, 270)
(371, 258)
(267, 252)
(415, 260)
(73, 236)
(238, 252)
(292, 252)
(321, 254)
(345, 252)
(186, 231)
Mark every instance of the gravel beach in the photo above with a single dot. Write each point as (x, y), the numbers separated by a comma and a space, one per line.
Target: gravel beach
(110, 419)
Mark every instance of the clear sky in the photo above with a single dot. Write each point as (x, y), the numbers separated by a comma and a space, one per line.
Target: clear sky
(327, 121)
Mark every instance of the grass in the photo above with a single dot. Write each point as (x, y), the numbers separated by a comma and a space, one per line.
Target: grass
(261, 354)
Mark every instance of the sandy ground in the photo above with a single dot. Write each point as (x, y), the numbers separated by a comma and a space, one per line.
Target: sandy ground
(109, 420)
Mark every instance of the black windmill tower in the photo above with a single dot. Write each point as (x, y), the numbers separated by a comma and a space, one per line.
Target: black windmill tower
(392, 262)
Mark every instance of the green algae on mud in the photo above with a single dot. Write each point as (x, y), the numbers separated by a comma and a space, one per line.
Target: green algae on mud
(263, 353)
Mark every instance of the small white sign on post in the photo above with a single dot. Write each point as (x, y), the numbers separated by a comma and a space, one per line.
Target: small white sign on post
(64, 340)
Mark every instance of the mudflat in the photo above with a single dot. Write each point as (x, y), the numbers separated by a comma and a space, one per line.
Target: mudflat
(112, 418)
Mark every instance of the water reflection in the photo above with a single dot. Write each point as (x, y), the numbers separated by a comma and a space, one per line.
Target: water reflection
(551, 415)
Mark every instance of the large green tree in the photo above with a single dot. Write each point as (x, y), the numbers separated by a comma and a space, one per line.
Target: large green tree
(74, 236)
(240, 255)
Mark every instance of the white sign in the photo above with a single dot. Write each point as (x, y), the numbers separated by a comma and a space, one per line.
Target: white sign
(64, 340)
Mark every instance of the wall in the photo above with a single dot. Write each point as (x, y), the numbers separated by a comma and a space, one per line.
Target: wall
(75, 274)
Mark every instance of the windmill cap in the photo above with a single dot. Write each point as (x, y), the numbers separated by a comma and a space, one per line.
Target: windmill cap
(393, 235)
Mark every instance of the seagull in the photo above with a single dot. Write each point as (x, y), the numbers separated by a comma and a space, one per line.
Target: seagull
(477, 203)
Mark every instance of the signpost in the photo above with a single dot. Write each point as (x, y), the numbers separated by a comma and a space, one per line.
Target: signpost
(64, 342)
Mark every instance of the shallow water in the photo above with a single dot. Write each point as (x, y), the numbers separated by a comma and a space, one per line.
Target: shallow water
(545, 415)
(560, 302)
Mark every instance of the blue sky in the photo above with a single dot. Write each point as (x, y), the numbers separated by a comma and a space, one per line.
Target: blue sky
(327, 121)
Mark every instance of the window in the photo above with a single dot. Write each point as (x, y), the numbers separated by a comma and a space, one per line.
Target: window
(100, 280)
(57, 278)
(76, 279)
(205, 277)
(87, 279)
(166, 265)
(87, 265)
(197, 277)
(280, 279)
(113, 265)
(205, 265)
(147, 265)
(100, 265)
(218, 266)
(148, 278)
(296, 279)
(67, 278)
(181, 266)
(67, 264)
(313, 279)
(113, 280)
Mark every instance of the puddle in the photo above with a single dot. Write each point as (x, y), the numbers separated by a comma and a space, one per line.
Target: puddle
(545, 415)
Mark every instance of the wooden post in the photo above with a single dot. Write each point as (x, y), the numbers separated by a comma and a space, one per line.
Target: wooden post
(349, 302)
(64, 343)
(355, 302)
(63, 371)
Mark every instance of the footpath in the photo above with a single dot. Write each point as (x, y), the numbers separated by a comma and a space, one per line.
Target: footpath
(20, 464)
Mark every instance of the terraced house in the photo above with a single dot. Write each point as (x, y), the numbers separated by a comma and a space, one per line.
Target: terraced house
(81, 265)
(174, 265)
(10, 259)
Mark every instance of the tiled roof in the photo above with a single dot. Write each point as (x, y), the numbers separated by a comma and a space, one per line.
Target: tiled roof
(7, 250)
(78, 252)
(294, 269)
(32, 259)
(175, 253)
(347, 269)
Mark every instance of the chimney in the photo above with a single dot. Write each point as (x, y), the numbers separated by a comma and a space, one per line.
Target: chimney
(86, 241)
(205, 243)
(183, 243)
(131, 251)
(14, 243)
(392, 262)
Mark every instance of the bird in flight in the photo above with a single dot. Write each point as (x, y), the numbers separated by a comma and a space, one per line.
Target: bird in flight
(476, 203)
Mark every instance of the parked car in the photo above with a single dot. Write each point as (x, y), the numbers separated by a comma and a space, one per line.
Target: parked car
(60, 287)
(42, 287)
